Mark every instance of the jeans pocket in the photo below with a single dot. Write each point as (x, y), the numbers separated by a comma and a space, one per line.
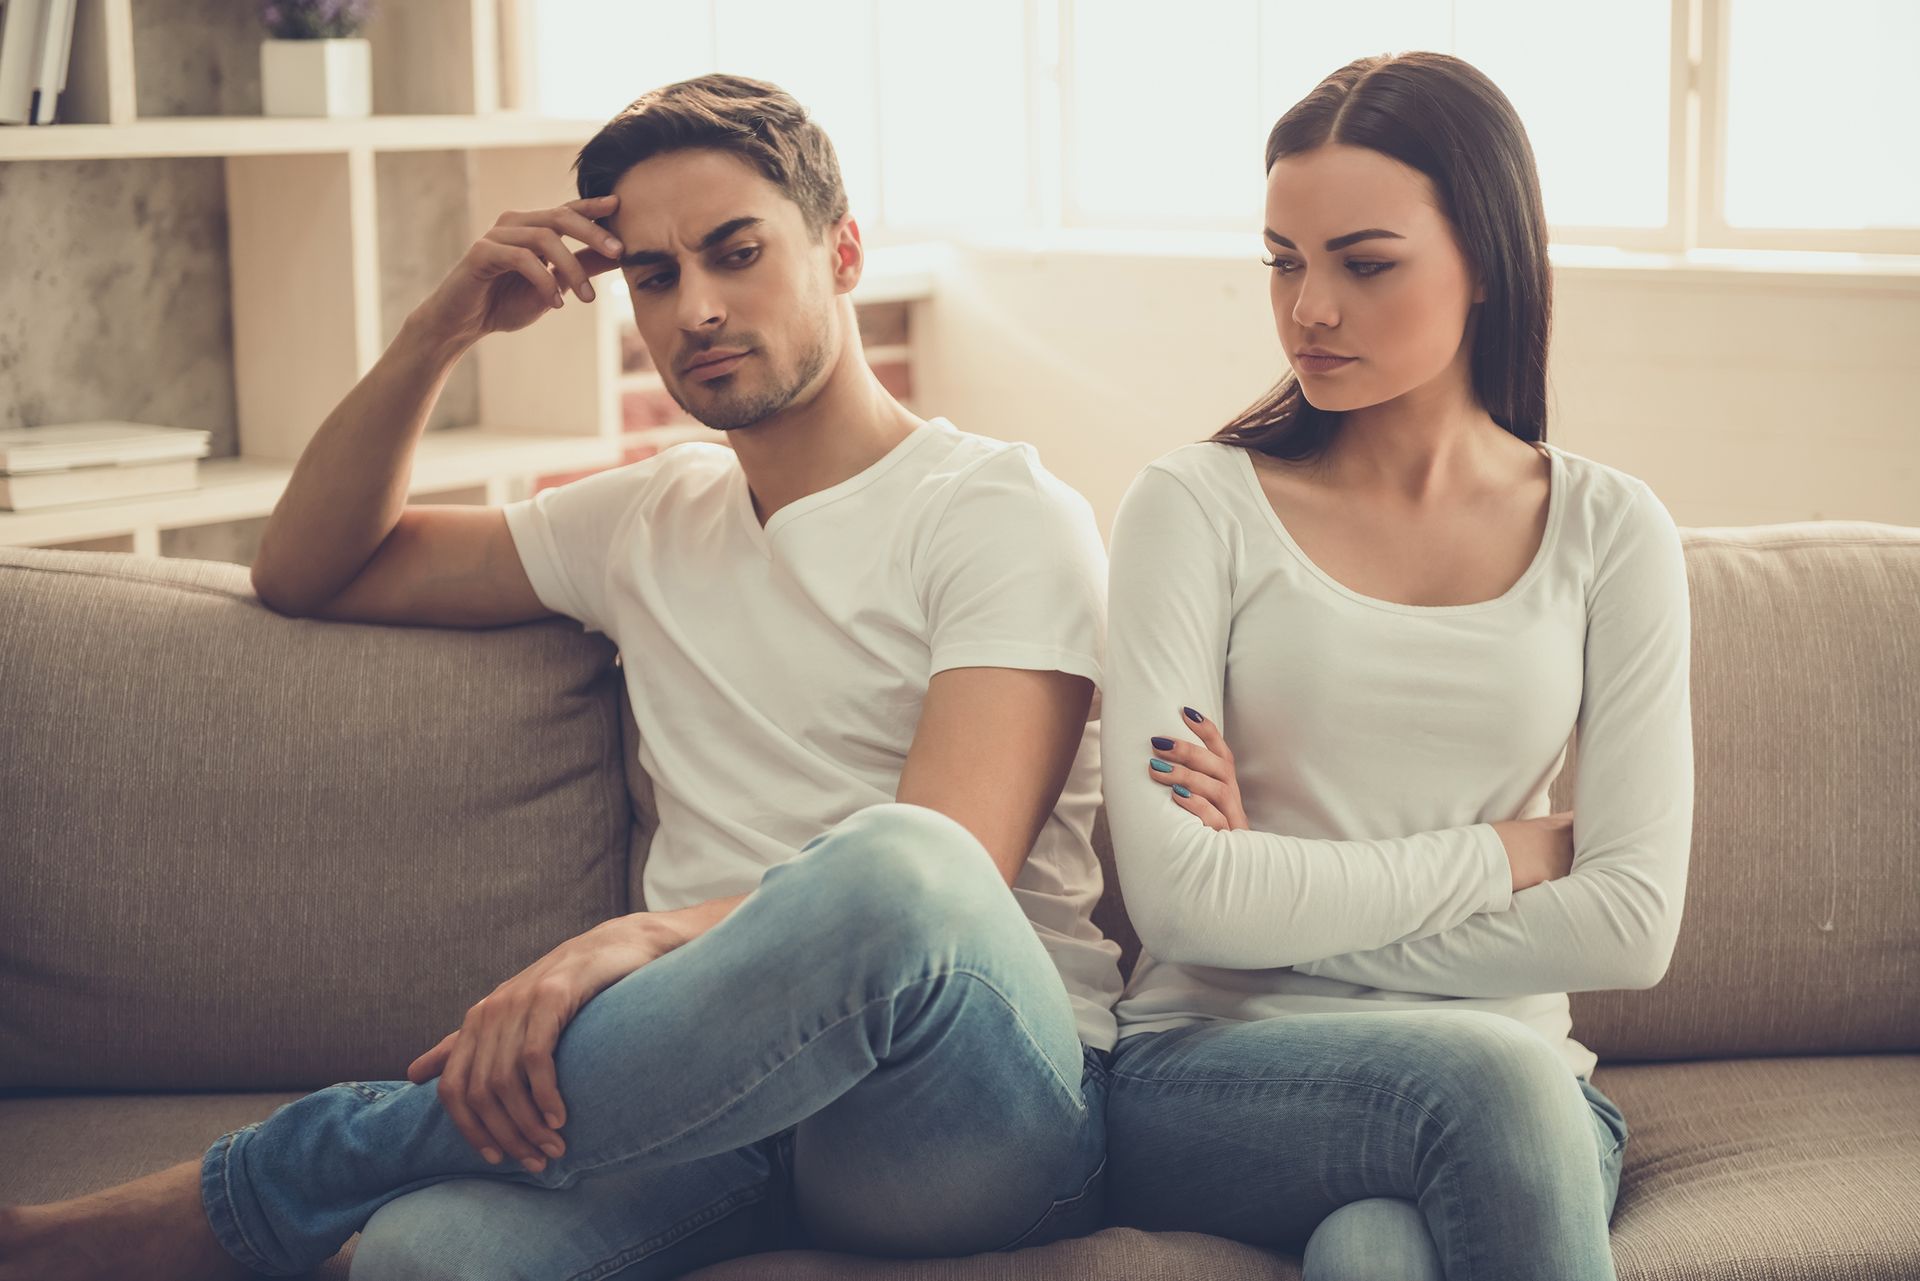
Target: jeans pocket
(1068, 1216)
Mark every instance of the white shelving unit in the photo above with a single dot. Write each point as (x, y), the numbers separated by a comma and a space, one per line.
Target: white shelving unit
(303, 250)
(303, 253)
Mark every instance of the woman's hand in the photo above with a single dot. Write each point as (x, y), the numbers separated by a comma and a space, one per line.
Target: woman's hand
(496, 1073)
(1201, 776)
(1538, 849)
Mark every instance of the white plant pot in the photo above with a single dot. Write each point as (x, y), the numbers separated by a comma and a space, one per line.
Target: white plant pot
(316, 77)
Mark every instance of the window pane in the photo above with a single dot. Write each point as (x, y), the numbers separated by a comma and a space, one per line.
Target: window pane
(1301, 45)
(1820, 110)
(1591, 85)
(953, 119)
(822, 53)
(593, 57)
(1163, 119)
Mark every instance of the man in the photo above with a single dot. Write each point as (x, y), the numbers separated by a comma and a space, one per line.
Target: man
(861, 649)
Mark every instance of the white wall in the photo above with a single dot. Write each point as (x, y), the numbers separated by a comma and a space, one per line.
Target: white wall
(1742, 397)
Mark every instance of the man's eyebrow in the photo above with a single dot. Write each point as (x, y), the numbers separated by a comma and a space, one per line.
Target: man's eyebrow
(649, 257)
(1341, 242)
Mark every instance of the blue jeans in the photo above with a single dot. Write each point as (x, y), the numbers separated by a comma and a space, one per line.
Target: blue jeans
(873, 1053)
(1403, 1144)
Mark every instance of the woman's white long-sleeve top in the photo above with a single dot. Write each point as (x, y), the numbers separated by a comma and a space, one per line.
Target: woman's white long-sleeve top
(1377, 742)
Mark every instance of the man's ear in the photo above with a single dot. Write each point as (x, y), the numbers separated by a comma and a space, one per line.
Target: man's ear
(849, 255)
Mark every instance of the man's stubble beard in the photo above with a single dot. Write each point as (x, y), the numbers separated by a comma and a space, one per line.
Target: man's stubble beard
(729, 414)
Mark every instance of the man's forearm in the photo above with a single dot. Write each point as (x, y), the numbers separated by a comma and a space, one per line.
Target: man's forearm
(683, 925)
(350, 485)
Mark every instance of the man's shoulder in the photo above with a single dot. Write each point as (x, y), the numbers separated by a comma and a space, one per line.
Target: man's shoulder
(981, 478)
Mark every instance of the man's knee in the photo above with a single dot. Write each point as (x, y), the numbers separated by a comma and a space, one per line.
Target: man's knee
(902, 886)
(1367, 1240)
(899, 861)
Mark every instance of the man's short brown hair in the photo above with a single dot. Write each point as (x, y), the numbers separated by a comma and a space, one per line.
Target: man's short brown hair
(759, 122)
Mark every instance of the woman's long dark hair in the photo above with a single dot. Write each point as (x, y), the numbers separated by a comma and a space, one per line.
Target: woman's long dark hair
(1443, 117)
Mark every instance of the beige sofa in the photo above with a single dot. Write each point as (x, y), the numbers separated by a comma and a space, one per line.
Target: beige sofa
(243, 856)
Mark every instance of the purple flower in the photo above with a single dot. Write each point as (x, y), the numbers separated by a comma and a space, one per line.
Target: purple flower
(314, 19)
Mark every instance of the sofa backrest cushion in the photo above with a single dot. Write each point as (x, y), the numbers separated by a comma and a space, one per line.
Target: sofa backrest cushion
(1801, 932)
(241, 851)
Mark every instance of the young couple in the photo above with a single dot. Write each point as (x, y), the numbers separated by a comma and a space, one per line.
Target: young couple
(866, 1009)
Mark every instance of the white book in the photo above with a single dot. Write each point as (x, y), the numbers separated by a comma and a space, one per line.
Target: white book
(93, 484)
(56, 448)
(56, 43)
(21, 22)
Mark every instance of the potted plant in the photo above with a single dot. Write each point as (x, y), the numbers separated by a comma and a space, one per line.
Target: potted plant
(314, 62)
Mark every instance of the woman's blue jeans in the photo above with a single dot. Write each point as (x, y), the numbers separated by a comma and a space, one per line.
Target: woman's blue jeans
(1410, 1145)
(873, 1053)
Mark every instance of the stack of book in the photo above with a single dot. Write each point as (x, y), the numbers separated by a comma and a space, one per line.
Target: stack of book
(36, 39)
(89, 462)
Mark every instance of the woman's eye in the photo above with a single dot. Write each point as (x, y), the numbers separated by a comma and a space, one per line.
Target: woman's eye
(1284, 266)
(1364, 269)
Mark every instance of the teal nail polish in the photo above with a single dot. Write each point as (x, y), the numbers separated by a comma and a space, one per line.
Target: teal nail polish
(1178, 790)
(1163, 766)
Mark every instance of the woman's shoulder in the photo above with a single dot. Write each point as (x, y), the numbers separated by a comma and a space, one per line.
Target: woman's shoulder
(1211, 471)
(1607, 509)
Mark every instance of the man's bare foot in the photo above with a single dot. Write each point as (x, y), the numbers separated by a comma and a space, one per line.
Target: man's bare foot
(152, 1227)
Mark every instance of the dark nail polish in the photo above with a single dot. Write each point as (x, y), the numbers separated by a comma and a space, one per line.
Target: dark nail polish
(1161, 765)
(1162, 744)
(1192, 715)
(1181, 791)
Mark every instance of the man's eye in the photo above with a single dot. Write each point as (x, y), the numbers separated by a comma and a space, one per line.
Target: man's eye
(742, 256)
(653, 284)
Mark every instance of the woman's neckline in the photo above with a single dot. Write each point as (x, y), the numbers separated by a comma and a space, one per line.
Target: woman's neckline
(1556, 483)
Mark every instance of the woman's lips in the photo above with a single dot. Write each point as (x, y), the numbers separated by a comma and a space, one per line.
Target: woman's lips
(1322, 364)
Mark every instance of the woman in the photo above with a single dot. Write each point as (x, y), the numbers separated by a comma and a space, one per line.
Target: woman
(1348, 1031)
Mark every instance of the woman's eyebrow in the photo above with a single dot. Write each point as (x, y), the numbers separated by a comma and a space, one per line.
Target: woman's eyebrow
(1341, 242)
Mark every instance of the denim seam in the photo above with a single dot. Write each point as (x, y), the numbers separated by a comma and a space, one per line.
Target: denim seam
(678, 1232)
(1079, 1104)
(259, 1260)
(1054, 1208)
(1451, 1208)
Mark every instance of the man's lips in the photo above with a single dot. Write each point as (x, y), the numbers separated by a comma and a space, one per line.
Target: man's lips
(713, 364)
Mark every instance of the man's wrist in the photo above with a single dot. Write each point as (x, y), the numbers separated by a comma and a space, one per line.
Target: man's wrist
(677, 928)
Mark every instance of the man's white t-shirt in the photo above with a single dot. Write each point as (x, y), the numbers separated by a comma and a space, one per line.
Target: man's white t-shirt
(777, 673)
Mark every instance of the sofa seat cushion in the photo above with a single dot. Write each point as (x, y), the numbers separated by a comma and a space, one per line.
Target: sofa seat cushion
(1757, 1169)
(1749, 1170)
(66, 1145)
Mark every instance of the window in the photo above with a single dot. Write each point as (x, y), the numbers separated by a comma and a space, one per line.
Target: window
(1830, 143)
(1658, 124)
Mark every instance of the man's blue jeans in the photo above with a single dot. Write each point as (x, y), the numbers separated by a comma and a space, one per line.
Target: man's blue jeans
(1415, 1145)
(873, 1053)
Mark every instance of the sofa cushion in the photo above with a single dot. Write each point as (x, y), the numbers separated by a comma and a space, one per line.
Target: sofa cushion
(248, 852)
(1801, 930)
(1769, 1169)
(1753, 1170)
